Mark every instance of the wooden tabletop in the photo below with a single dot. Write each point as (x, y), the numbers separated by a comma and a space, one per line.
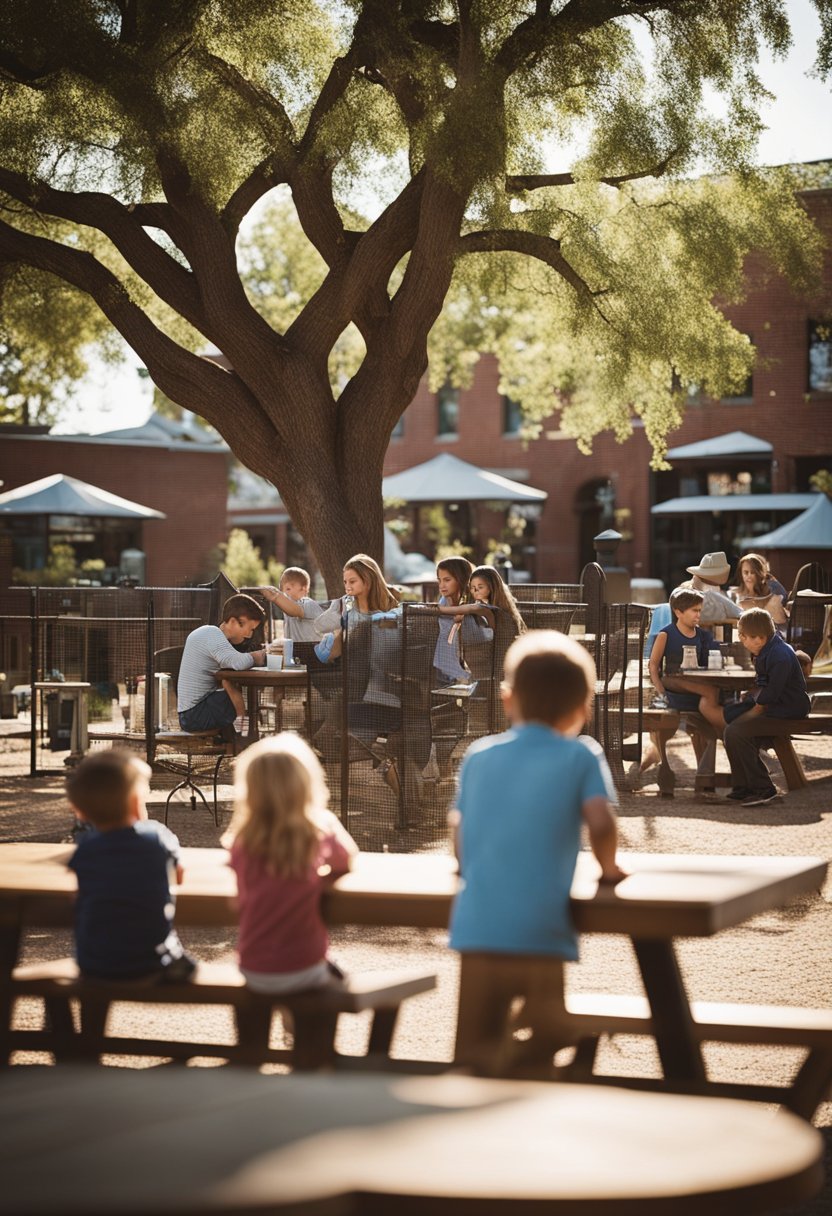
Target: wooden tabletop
(265, 677)
(664, 895)
(196, 1140)
(739, 678)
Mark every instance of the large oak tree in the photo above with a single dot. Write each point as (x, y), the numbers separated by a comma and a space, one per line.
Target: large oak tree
(137, 135)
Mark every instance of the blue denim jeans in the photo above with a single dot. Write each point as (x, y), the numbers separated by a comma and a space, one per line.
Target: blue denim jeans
(214, 710)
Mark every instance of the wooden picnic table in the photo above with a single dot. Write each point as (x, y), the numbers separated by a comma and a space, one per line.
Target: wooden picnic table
(254, 680)
(105, 1142)
(664, 897)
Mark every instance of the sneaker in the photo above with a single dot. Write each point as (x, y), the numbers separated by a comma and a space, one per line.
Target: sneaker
(760, 799)
(739, 793)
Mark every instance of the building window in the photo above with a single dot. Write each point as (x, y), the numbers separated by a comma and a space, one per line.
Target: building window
(447, 412)
(820, 356)
(512, 417)
(398, 429)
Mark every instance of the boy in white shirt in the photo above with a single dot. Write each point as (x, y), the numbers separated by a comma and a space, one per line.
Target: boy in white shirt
(202, 703)
(299, 611)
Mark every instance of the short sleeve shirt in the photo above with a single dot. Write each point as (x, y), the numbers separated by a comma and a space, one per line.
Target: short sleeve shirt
(520, 801)
(124, 909)
(302, 628)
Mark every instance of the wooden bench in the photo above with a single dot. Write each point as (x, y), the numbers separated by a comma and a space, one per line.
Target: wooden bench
(314, 1014)
(663, 724)
(596, 1014)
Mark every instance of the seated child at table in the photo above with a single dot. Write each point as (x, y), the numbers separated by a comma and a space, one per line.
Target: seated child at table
(666, 673)
(299, 611)
(523, 796)
(125, 868)
(286, 848)
(202, 703)
(779, 692)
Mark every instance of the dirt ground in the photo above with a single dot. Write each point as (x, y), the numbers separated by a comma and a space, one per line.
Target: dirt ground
(780, 957)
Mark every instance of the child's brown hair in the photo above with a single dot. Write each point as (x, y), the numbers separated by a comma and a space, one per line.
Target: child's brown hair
(241, 607)
(756, 623)
(683, 598)
(101, 786)
(549, 674)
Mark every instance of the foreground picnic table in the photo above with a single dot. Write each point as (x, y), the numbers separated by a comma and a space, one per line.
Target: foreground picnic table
(664, 897)
(80, 1142)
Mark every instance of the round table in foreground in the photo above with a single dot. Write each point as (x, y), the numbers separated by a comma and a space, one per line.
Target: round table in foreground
(221, 1140)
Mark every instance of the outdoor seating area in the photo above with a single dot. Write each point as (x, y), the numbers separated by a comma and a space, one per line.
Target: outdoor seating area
(392, 782)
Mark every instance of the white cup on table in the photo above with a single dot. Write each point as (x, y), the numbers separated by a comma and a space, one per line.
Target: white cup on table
(274, 662)
(714, 660)
(288, 652)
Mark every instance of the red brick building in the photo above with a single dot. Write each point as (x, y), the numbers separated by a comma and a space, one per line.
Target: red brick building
(164, 465)
(787, 407)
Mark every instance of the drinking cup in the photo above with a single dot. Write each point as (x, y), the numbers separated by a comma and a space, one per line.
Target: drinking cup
(274, 662)
(714, 660)
(288, 652)
(689, 657)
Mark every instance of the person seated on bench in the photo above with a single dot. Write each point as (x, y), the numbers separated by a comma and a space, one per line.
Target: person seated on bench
(125, 868)
(286, 847)
(201, 705)
(779, 692)
(709, 577)
(522, 798)
(666, 673)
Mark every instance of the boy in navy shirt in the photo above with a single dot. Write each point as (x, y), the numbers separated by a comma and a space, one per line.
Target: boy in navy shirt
(125, 868)
(779, 692)
(523, 796)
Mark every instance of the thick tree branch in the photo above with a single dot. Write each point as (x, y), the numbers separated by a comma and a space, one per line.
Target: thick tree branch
(537, 181)
(333, 90)
(541, 248)
(170, 281)
(356, 289)
(192, 381)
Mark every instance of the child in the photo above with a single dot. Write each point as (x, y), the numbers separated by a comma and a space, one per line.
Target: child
(779, 692)
(125, 869)
(286, 847)
(202, 705)
(757, 589)
(522, 798)
(666, 674)
(453, 575)
(299, 611)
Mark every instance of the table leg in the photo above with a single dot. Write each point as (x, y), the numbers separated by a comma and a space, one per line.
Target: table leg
(253, 700)
(678, 1047)
(10, 933)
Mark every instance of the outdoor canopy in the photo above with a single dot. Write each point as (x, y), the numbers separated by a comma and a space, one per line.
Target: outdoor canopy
(446, 478)
(62, 495)
(811, 530)
(735, 443)
(697, 503)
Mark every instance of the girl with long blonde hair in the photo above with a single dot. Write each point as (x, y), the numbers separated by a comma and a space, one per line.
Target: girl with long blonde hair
(286, 847)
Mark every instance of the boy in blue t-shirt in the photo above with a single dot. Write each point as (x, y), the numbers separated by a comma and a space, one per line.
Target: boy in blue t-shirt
(125, 867)
(522, 799)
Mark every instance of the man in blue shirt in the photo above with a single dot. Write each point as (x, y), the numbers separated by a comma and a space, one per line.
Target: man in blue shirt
(522, 799)
(779, 692)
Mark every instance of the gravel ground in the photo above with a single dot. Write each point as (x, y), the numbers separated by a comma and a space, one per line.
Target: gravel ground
(781, 957)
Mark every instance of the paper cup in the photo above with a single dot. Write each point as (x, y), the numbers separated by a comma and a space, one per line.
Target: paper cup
(274, 662)
(288, 652)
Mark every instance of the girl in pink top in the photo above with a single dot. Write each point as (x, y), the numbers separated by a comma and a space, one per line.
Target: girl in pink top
(285, 848)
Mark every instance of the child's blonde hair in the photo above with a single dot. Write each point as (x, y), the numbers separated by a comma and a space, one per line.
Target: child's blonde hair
(279, 785)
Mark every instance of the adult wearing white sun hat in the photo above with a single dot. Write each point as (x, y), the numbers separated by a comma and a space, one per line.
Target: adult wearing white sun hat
(708, 577)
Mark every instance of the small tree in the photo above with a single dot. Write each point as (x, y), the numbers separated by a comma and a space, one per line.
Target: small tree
(243, 564)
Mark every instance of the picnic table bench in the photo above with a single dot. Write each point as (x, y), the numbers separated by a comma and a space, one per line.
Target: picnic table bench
(314, 1014)
(663, 724)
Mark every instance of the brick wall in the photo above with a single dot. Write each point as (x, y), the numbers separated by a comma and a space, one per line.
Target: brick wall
(189, 486)
(781, 411)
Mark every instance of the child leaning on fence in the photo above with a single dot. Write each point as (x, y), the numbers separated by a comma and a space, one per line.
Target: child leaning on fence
(523, 796)
(125, 869)
(286, 848)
